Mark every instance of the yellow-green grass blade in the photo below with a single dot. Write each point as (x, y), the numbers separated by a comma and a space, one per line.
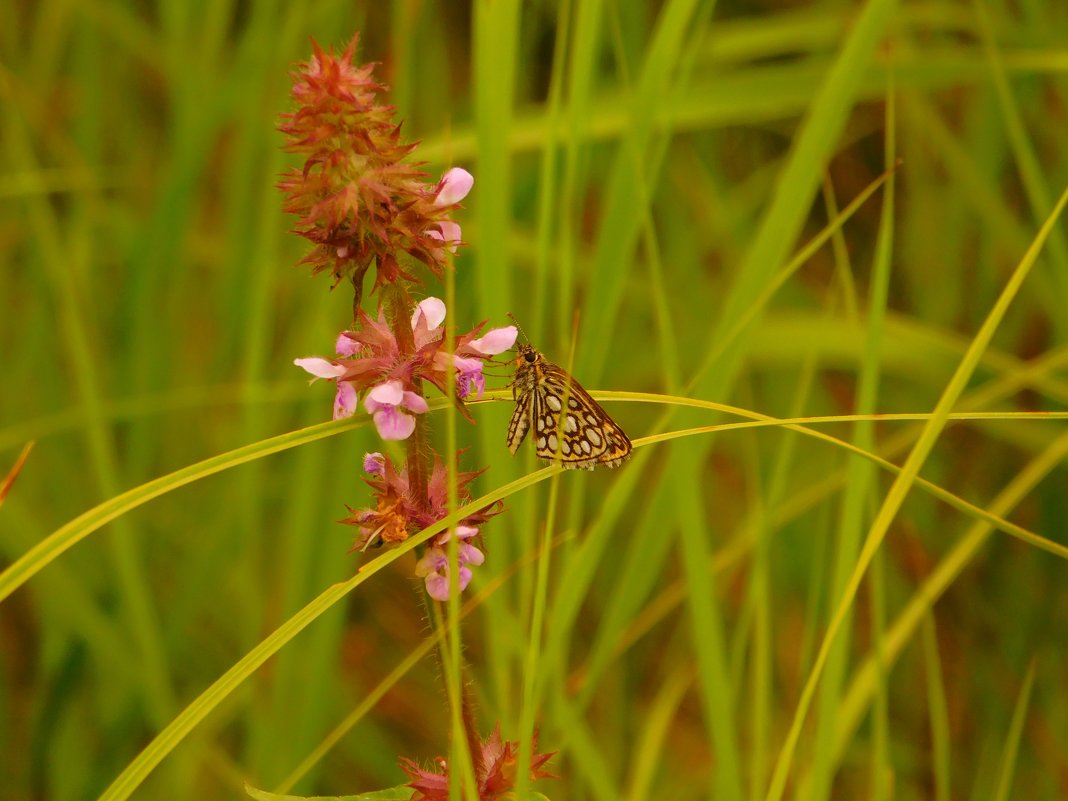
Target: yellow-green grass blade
(902, 630)
(1012, 737)
(938, 711)
(85, 524)
(138, 769)
(904, 482)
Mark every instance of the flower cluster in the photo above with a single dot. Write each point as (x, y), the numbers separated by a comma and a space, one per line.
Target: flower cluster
(399, 512)
(361, 202)
(371, 358)
(356, 198)
(434, 566)
(498, 769)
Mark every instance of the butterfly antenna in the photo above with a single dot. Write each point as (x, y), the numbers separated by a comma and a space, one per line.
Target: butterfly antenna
(518, 326)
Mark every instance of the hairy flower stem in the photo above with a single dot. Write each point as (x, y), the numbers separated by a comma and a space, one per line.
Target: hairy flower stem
(436, 612)
(417, 450)
(470, 719)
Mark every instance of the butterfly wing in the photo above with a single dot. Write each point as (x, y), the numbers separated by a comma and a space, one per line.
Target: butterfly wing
(584, 435)
(520, 422)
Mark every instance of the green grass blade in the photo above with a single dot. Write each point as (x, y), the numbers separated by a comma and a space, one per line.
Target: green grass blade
(1012, 738)
(903, 483)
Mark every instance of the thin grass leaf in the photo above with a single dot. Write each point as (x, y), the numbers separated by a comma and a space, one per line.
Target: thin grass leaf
(82, 526)
(904, 482)
(938, 711)
(1011, 748)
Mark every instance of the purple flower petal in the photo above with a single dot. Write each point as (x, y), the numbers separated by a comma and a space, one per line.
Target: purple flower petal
(454, 186)
(393, 424)
(470, 377)
(320, 368)
(345, 400)
(374, 464)
(346, 345)
(437, 587)
(470, 384)
(467, 364)
(430, 309)
(465, 577)
(470, 555)
(434, 566)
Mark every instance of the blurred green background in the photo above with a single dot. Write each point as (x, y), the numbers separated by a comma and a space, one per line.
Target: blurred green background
(651, 166)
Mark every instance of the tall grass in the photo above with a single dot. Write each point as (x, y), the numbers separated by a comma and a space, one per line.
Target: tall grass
(835, 566)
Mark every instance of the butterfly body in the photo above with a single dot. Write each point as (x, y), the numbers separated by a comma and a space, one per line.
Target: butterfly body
(568, 425)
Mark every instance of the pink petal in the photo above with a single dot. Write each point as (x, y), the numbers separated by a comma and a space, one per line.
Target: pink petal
(374, 464)
(465, 578)
(449, 233)
(496, 341)
(437, 587)
(320, 368)
(433, 561)
(463, 532)
(346, 345)
(394, 425)
(388, 394)
(467, 364)
(414, 402)
(345, 400)
(454, 186)
(430, 309)
(470, 555)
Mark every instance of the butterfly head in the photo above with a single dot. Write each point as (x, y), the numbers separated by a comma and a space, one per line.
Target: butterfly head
(527, 355)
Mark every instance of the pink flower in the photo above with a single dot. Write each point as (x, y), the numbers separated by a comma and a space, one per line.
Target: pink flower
(448, 232)
(345, 398)
(434, 566)
(387, 403)
(469, 356)
(346, 345)
(362, 210)
(454, 186)
(397, 512)
(426, 321)
(469, 554)
(370, 357)
(431, 310)
(497, 768)
(374, 464)
(470, 378)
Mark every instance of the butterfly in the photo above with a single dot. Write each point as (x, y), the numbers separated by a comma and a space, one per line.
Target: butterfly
(569, 426)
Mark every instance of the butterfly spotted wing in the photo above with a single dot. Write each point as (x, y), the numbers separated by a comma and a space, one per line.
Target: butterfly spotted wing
(569, 426)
